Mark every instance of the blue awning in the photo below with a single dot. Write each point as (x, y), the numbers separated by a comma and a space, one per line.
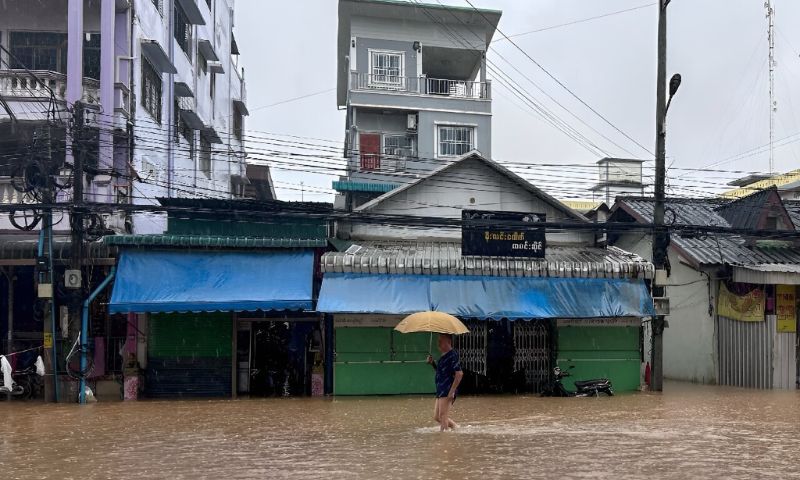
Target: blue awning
(485, 296)
(200, 281)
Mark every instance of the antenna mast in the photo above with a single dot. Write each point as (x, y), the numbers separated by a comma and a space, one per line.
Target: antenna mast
(773, 107)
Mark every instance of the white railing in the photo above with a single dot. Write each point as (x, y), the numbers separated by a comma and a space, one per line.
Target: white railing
(10, 195)
(39, 83)
(421, 85)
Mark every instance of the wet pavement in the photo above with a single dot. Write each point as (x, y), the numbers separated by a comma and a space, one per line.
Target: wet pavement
(689, 431)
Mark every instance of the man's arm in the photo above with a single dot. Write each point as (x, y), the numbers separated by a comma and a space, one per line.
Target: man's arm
(458, 376)
(431, 362)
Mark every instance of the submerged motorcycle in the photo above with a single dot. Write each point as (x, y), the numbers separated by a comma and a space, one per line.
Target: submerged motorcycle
(585, 388)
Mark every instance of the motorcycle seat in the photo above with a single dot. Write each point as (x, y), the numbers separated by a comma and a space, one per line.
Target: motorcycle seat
(591, 383)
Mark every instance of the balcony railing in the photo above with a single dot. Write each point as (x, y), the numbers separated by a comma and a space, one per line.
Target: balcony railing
(38, 83)
(421, 86)
(390, 163)
(10, 195)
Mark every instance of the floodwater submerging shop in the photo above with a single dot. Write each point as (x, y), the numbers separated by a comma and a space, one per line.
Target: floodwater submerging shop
(212, 314)
(577, 306)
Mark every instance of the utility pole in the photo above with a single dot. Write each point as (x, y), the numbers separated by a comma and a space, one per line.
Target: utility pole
(660, 234)
(76, 216)
(772, 105)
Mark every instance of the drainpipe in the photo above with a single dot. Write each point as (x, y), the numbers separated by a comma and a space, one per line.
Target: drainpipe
(85, 329)
(52, 305)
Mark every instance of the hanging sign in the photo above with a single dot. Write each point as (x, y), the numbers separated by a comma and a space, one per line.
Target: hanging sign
(48, 340)
(745, 308)
(786, 308)
(487, 233)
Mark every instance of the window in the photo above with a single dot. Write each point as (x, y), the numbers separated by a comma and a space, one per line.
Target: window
(188, 135)
(151, 90)
(238, 121)
(455, 141)
(48, 51)
(212, 86)
(183, 31)
(396, 149)
(205, 156)
(386, 69)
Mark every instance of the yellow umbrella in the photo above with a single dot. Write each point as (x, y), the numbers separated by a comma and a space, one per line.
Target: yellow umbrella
(434, 322)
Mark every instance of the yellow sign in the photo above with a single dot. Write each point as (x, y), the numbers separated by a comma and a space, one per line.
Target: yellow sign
(786, 308)
(745, 308)
(48, 340)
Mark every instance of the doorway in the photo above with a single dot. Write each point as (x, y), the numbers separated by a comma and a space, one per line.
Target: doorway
(276, 357)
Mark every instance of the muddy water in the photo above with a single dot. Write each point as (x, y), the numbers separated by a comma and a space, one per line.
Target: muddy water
(687, 432)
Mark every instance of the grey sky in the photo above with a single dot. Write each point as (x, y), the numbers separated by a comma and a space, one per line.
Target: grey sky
(719, 47)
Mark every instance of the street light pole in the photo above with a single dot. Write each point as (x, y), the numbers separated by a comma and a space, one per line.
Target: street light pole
(660, 235)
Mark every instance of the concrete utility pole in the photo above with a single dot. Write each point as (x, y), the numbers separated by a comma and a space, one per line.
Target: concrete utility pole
(660, 235)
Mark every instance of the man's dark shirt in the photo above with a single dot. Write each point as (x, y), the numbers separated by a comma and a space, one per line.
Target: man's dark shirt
(445, 372)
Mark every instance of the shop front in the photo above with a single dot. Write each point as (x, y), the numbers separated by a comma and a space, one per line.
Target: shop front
(192, 308)
(525, 316)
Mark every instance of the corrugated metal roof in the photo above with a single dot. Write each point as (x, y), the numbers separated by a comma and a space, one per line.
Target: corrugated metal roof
(205, 241)
(445, 259)
(13, 250)
(793, 208)
(711, 249)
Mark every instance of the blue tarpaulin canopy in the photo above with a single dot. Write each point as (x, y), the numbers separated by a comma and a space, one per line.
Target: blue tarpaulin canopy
(201, 281)
(485, 296)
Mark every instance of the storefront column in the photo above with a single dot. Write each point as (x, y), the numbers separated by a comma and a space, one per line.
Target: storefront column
(130, 377)
(329, 349)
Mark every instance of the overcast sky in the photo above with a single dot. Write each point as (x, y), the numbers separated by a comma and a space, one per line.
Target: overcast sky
(719, 47)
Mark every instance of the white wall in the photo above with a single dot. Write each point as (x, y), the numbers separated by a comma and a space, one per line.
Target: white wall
(689, 342)
(469, 185)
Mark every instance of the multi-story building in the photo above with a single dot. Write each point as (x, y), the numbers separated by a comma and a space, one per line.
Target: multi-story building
(164, 95)
(412, 79)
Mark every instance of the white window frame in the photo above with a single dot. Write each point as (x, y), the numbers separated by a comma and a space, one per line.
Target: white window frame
(401, 79)
(439, 126)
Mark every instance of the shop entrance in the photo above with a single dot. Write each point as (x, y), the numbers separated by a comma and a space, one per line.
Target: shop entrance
(276, 358)
(502, 356)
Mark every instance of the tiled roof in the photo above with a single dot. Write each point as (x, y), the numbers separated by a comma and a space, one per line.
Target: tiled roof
(205, 241)
(444, 258)
(775, 181)
(793, 208)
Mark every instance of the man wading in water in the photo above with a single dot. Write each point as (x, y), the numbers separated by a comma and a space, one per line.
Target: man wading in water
(448, 376)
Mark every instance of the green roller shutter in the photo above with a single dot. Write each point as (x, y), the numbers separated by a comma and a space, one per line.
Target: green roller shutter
(189, 355)
(381, 361)
(600, 352)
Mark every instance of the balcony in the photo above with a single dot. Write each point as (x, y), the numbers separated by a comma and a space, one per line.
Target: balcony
(419, 93)
(421, 86)
(36, 86)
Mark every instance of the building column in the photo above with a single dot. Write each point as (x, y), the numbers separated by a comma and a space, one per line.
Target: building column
(329, 350)
(74, 91)
(102, 187)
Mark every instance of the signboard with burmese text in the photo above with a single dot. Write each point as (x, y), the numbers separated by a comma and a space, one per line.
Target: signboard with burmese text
(502, 234)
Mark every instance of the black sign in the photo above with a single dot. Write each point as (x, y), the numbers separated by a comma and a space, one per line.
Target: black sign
(502, 234)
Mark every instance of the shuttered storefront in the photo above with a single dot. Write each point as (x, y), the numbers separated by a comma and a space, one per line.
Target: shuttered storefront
(381, 361)
(600, 351)
(189, 355)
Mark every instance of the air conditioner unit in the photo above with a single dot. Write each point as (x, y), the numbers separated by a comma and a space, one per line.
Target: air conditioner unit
(412, 121)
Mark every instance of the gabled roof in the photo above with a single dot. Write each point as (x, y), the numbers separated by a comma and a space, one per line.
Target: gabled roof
(475, 155)
(793, 209)
(748, 211)
(712, 249)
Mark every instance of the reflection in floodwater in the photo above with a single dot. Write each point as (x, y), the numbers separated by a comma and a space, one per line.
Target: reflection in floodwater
(689, 431)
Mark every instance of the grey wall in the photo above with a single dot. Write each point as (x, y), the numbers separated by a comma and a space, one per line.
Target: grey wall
(363, 45)
(379, 122)
(426, 131)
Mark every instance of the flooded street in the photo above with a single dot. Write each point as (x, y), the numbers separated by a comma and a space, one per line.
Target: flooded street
(689, 431)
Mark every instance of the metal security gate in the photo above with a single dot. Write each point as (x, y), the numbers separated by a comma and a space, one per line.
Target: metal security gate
(471, 347)
(532, 352)
(755, 355)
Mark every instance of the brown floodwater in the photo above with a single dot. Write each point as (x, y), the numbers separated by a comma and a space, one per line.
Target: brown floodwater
(687, 432)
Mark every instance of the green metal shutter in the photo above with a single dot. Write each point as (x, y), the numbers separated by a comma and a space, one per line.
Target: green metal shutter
(371, 361)
(189, 355)
(600, 352)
